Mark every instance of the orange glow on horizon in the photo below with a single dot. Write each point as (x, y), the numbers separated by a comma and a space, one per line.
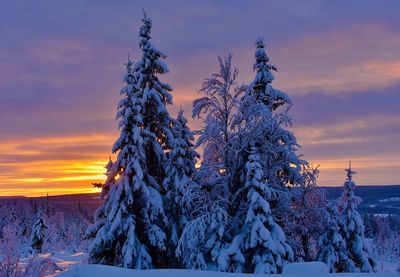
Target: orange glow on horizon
(50, 173)
(50, 192)
(54, 165)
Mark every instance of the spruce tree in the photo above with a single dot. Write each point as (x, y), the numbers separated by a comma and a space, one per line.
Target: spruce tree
(130, 227)
(352, 229)
(260, 246)
(264, 118)
(157, 123)
(180, 167)
(26, 225)
(39, 233)
(261, 126)
(332, 247)
(263, 122)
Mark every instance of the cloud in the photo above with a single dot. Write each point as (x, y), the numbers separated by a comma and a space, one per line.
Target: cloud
(61, 66)
(363, 126)
(320, 109)
(355, 58)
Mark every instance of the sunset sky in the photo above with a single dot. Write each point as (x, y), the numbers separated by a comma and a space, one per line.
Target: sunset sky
(61, 68)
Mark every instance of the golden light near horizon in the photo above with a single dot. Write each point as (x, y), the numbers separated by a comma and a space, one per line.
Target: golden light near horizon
(42, 165)
(55, 175)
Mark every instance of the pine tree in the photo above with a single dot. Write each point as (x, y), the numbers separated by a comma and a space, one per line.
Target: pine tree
(130, 228)
(39, 233)
(47, 209)
(180, 166)
(13, 219)
(262, 122)
(260, 246)
(265, 116)
(60, 228)
(26, 225)
(352, 229)
(332, 247)
(261, 126)
(155, 95)
(261, 87)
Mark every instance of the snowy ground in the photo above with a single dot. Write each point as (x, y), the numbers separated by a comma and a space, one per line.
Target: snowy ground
(386, 266)
(105, 271)
(73, 265)
(65, 260)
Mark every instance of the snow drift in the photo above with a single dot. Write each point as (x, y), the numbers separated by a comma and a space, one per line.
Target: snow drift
(304, 270)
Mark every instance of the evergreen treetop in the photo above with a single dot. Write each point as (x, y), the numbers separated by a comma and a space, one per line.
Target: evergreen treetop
(131, 226)
(352, 229)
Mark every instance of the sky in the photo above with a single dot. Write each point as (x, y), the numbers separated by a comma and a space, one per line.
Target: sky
(61, 68)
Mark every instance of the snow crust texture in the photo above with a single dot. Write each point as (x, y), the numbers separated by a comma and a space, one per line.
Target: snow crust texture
(106, 271)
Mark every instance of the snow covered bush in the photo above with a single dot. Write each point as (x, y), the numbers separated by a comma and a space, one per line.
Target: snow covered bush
(40, 266)
(387, 240)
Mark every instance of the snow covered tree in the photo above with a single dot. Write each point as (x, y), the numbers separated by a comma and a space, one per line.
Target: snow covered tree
(307, 211)
(262, 122)
(25, 229)
(261, 110)
(39, 233)
(12, 218)
(261, 87)
(130, 227)
(180, 166)
(332, 247)
(352, 229)
(9, 253)
(386, 243)
(218, 108)
(260, 247)
(202, 239)
(60, 229)
(236, 122)
(47, 205)
(206, 201)
(3, 219)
